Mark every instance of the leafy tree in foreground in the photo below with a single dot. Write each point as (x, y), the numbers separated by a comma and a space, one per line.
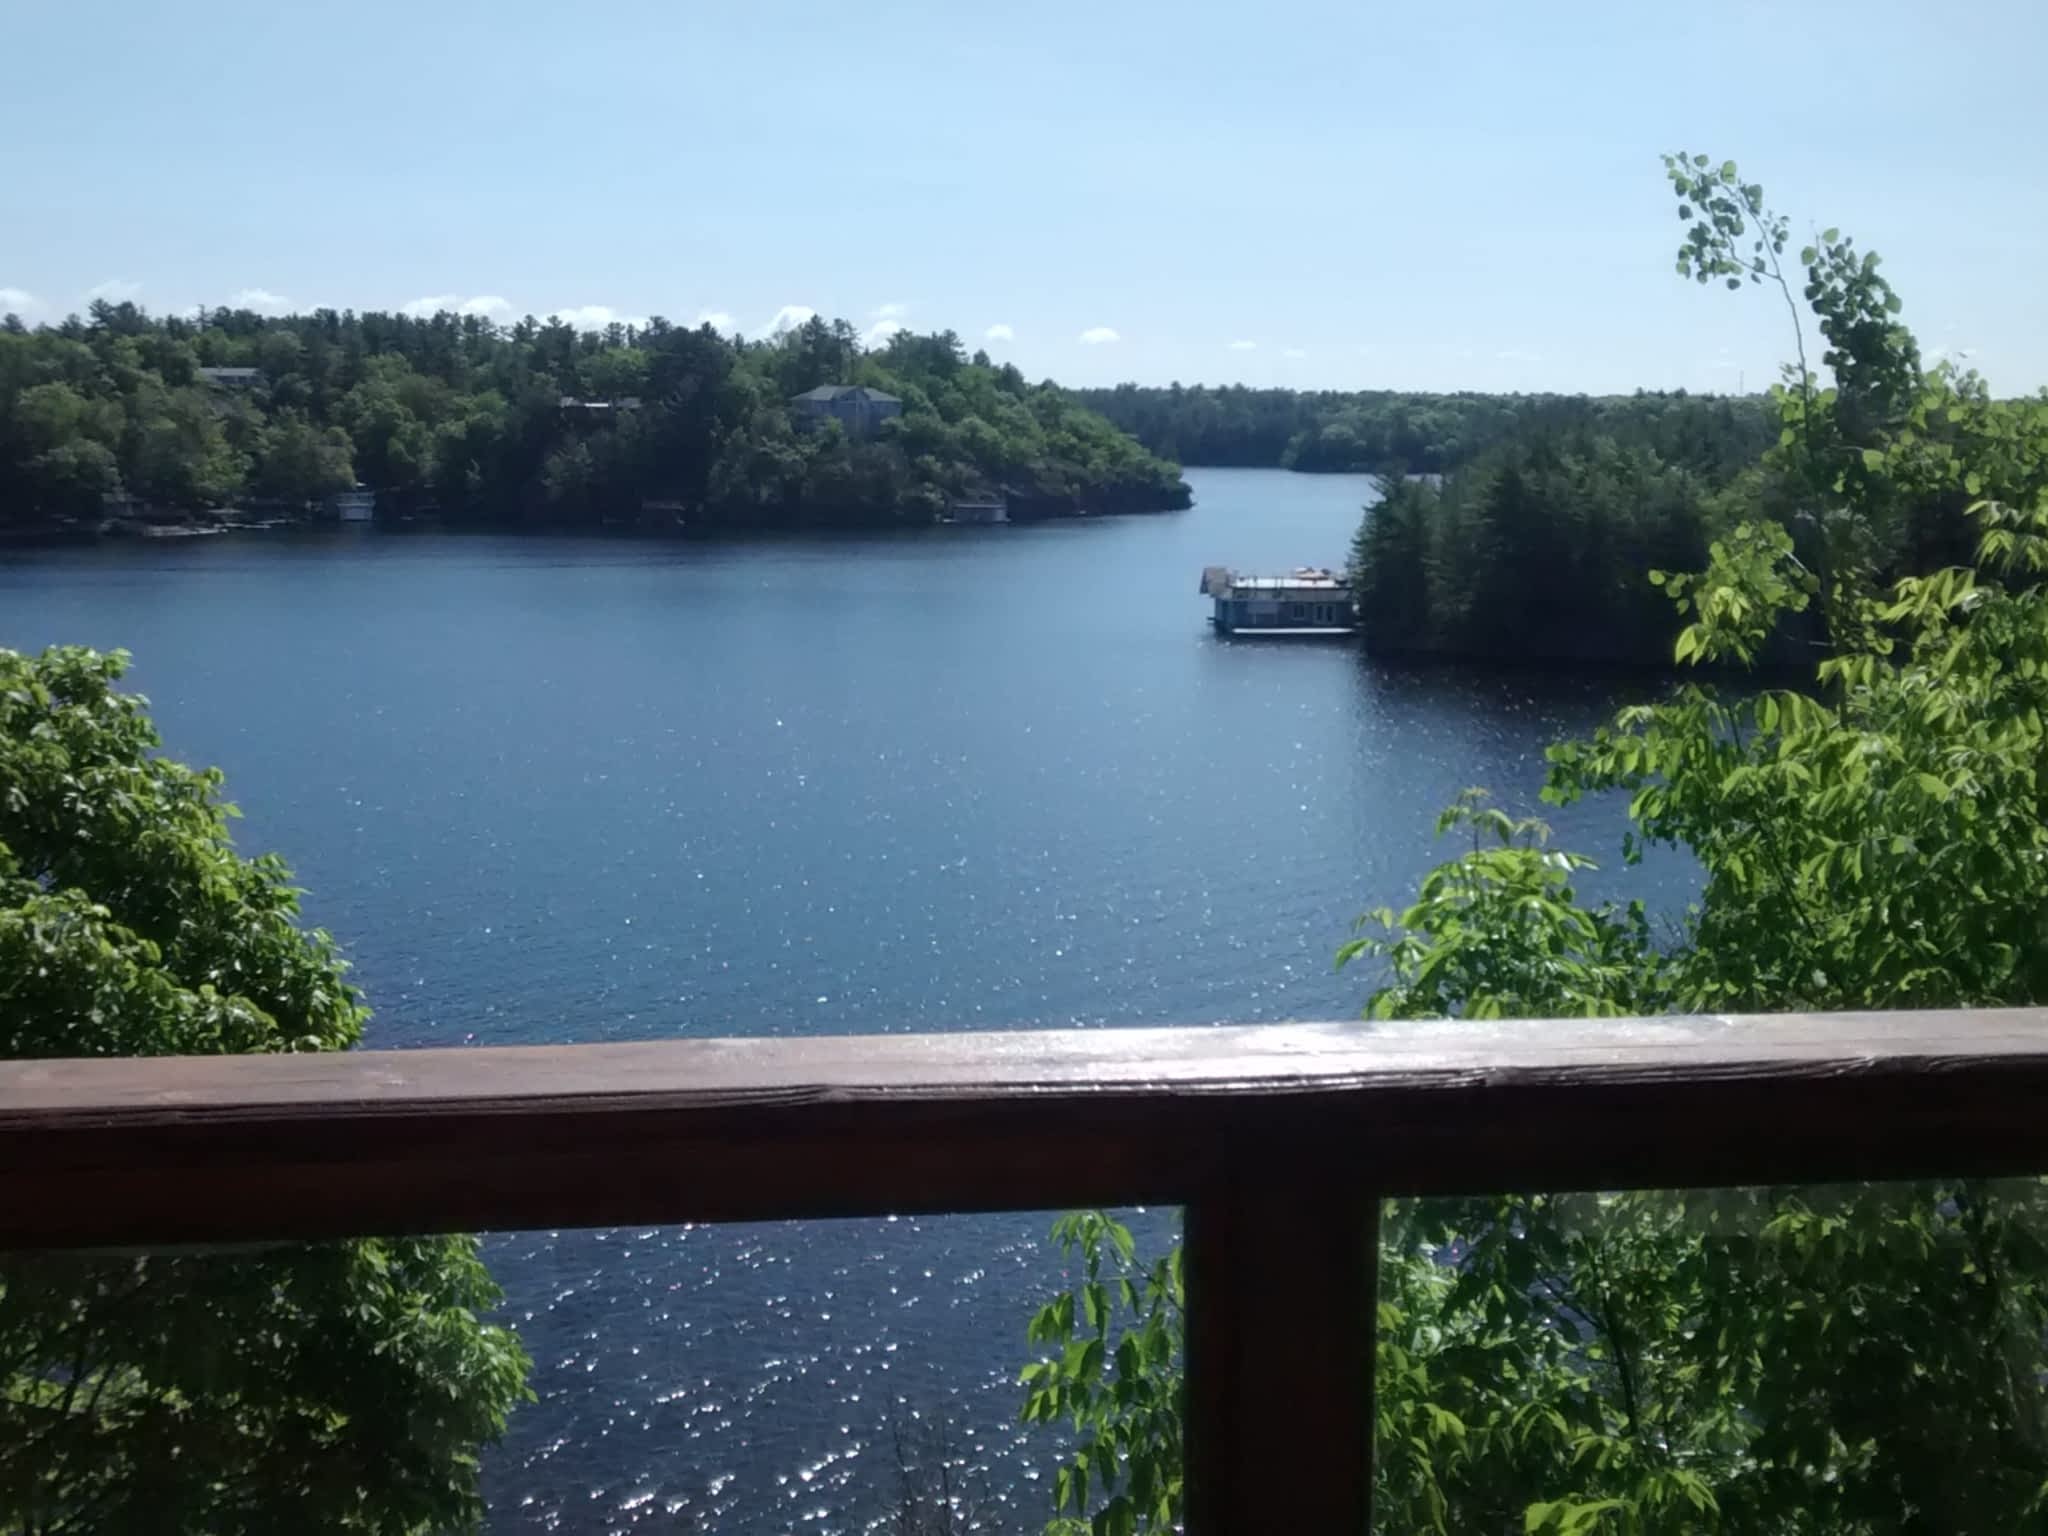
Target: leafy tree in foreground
(1848, 1361)
(346, 1386)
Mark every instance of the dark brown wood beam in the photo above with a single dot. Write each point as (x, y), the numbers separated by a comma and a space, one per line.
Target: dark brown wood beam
(1282, 1300)
(164, 1150)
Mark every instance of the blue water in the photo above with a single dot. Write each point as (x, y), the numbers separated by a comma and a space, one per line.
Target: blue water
(569, 789)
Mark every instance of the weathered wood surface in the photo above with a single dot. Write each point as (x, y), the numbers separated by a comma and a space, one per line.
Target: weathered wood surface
(1282, 1285)
(222, 1148)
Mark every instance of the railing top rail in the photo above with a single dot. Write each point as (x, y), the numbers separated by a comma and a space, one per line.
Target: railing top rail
(191, 1149)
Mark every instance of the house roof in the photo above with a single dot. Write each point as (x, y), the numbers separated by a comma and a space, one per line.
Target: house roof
(1318, 583)
(828, 393)
(227, 374)
(1221, 581)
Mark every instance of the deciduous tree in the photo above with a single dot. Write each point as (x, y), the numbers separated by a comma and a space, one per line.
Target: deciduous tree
(342, 1387)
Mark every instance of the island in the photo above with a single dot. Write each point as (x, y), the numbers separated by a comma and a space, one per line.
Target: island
(125, 420)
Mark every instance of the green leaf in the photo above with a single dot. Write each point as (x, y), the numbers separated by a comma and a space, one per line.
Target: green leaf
(1095, 1306)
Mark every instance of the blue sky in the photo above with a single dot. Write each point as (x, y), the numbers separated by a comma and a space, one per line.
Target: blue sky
(1327, 195)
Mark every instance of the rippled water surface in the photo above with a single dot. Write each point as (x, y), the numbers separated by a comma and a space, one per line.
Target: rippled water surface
(548, 789)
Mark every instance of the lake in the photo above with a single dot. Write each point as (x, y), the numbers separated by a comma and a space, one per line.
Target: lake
(578, 789)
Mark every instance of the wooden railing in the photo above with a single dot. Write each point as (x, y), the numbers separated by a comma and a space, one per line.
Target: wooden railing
(1280, 1141)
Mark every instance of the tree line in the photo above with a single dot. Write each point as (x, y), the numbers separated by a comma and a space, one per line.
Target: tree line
(537, 422)
(1845, 1361)
(1536, 548)
(1385, 431)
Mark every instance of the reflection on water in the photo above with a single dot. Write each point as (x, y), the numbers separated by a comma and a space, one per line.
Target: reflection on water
(581, 789)
(750, 1377)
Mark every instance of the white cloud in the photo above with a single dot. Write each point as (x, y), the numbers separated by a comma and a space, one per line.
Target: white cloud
(13, 300)
(259, 298)
(113, 290)
(999, 333)
(595, 317)
(489, 305)
(1517, 355)
(717, 319)
(1096, 335)
(1244, 346)
(888, 320)
(1295, 352)
(789, 317)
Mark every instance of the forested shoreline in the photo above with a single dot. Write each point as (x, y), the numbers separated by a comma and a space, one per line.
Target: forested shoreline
(1539, 547)
(533, 424)
(1373, 431)
(1511, 527)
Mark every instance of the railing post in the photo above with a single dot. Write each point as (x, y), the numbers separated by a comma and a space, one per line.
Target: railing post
(1282, 1303)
